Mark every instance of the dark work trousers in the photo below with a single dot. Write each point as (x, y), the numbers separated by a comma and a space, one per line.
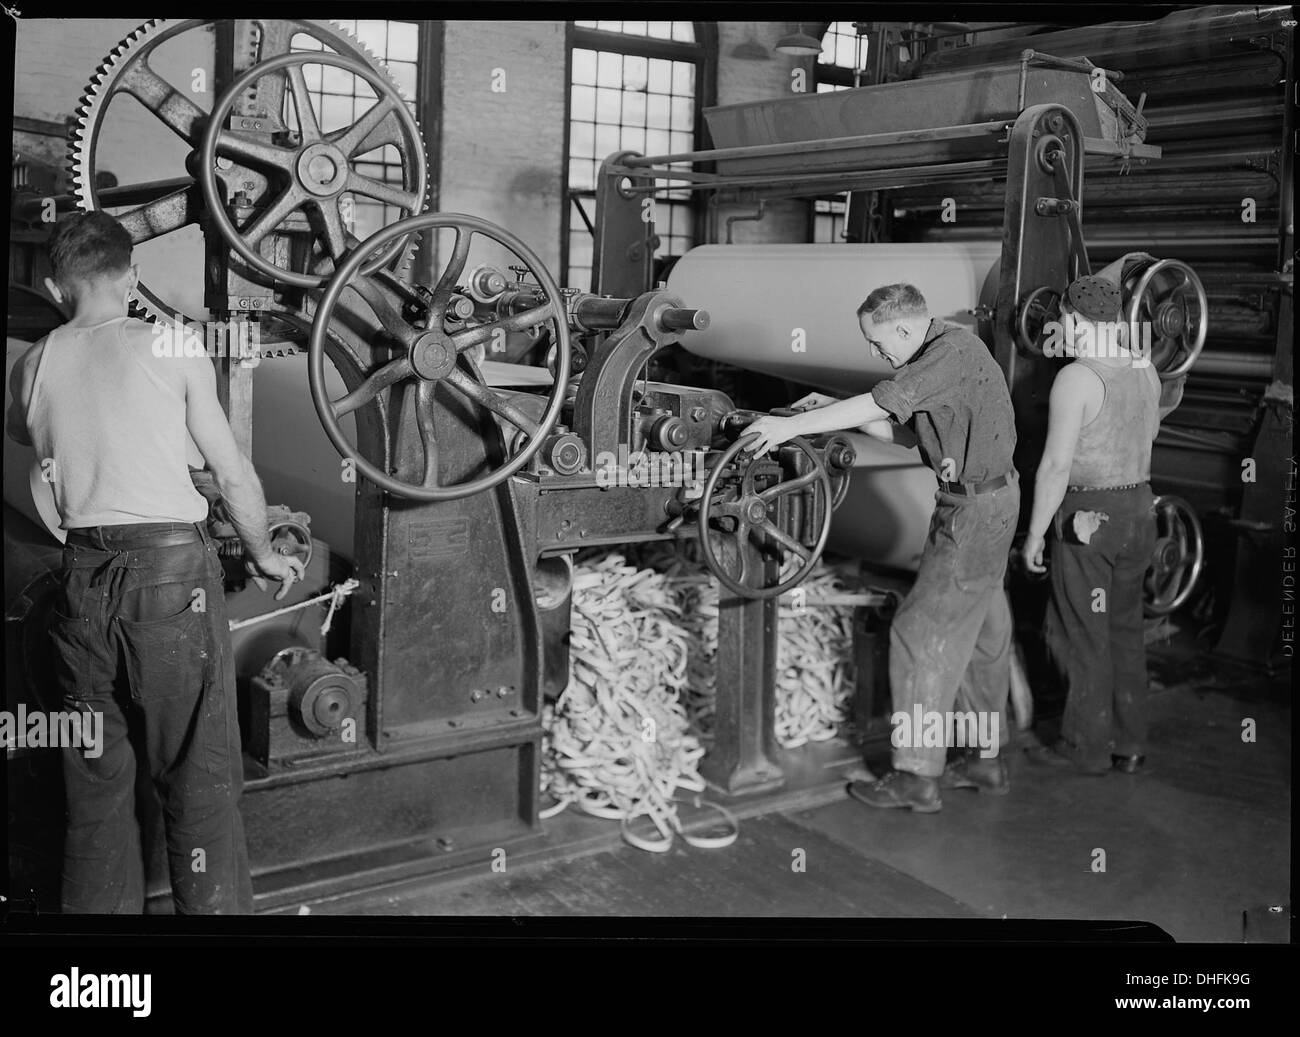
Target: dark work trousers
(954, 627)
(141, 636)
(1094, 625)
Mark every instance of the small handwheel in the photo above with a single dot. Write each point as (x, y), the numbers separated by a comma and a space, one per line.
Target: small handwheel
(1158, 296)
(289, 537)
(431, 355)
(318, 170)
(751, 512)
(1039, 306)
(1177, 559)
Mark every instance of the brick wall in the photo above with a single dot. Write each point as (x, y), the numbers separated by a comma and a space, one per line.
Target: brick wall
(55, 58)
(750, 70)
(502, 153)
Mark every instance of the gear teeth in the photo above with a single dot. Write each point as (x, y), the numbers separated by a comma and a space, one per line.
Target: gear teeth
(98, 92)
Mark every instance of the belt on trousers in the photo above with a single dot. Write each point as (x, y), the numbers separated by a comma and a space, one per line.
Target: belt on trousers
(125, 537)
(1091, 489)
(971, 489)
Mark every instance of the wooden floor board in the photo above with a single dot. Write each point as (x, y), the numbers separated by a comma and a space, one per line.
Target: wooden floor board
(752, 878)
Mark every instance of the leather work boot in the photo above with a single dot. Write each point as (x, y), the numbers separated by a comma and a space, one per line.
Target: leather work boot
(899, 789)
(973, 772)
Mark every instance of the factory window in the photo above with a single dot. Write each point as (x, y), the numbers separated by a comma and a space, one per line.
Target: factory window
(633, 86)
(828, 219)
(683, 32)
(843, 59)
(841, 66)
(340, 98)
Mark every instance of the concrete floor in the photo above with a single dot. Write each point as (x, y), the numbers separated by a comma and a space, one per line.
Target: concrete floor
(1201, 837)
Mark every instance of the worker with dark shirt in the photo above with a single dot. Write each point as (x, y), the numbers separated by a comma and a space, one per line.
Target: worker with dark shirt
(951, 399)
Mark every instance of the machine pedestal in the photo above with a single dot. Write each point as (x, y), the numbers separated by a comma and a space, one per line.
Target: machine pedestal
(741, 760)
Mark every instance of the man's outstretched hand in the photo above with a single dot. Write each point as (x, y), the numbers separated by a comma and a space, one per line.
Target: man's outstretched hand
(813, 401)
(275, 566)
(772, 432)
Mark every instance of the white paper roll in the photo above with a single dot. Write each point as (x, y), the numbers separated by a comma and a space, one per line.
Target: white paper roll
(886, 513)
(791, 310)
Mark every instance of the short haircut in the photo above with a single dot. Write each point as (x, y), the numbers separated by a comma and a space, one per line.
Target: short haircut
(89, 245)
(894, 300)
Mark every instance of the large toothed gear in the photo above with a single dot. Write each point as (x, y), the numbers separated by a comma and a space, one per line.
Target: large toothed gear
(172, 204)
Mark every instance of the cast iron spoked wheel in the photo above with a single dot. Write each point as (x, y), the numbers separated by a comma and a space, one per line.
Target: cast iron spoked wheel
(432, 356)
(1040, 306)
(317, 172)
(1159, 295)
(174, 202)
(1177, 559)
(750, 514)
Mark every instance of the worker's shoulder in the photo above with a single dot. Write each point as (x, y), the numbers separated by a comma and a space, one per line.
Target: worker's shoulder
(164, 340)
(142, 332)
(960, 337)
(960, 344)
(170, 351)
(27, 359)
(1076, 379)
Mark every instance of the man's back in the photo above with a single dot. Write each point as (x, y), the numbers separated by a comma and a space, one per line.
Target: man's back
(111, 416)
(1114, 445)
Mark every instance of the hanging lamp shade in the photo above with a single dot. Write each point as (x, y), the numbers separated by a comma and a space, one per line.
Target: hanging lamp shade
(799, 43)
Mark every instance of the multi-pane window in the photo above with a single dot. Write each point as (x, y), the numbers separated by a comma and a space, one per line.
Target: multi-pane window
(340, 98)
(843, 58)
(828, 219)
(681, 31)
(625, 99)
(840, 66)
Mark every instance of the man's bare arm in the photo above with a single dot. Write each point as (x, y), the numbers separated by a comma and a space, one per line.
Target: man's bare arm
(234, 474)
(1171, 395)
(20, 396)
(1070, 394)
(888, 431)
(851, 413)
(854, 412)
(885, 429)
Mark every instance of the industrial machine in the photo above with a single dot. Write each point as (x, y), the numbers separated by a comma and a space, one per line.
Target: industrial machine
(490, 423)
(470, 498)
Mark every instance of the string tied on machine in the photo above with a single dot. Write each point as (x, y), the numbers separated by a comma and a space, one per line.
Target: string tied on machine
(335, 596)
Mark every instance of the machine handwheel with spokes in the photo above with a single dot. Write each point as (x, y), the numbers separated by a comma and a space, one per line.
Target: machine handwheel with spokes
(431, 356)
(315, 173)
(1167, 296)
(1177, 559)
(753, 517)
